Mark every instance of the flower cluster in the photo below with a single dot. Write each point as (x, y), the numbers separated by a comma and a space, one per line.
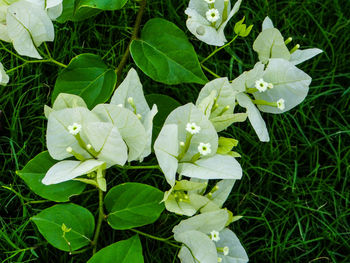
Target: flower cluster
(28, 23)
(98, 139)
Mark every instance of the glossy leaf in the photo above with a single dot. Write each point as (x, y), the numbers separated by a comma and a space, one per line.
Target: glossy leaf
(79, 220)
(132, 205)
(164, 54)
(88, 77)
(125, 251)
(35, 171)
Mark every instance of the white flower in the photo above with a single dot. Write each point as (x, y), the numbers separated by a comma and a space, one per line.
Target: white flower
(192, 128)
(200, 21)
(74, 128)
(280, 104)
(226, 251)
(215, 236)
(212, 15)
(261, 85)
(131, 100)
(204, 148)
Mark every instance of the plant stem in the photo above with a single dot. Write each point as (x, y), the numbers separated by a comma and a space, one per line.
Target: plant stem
(139, 167)
(135, 32)
(101, 217)
(165, 240)
(211, 72)
(218, 49)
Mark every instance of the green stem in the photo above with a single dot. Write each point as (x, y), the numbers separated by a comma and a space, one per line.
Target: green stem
(218, 49)
(139, 167)
(165, 240)
(211, 72)
(101, 217)
(135, 32)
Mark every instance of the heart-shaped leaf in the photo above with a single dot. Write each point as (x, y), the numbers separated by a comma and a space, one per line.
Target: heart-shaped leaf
(164, 54)
(132, 205)
(67, 227)
(34, 172)
(88, 77)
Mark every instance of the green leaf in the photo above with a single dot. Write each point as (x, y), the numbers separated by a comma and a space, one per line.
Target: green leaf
(88, 77)
(165, 105)
(126, 251)
(100, 4)
(132, 205)
(52, 221)
(70, 14)
(35, 171)
(164, 54)
(226, 145)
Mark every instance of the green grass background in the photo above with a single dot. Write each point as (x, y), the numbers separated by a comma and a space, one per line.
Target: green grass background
(295, 191)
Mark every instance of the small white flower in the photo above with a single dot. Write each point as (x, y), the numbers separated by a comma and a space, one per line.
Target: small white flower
(219, 259)
(214, 235)
(69, 149)
(131, 100)
(226, 250)
(182, 144)
(120, 105)
(280, 104)
(89, 146)
(270, 86)
(204, 148)
(74, 128)
(213, 15)
(261, 85)
(210, 1)
(192, 128)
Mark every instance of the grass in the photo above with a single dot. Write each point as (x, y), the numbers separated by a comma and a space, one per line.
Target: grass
(295, 190)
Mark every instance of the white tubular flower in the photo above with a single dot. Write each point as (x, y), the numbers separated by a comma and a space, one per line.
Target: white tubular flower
(270, 86)
(74, 128)
(210, 1)
(204, 148)
(226, 251)
(215, 236)
(212, 15)
(261, 85)
(280, 104)
(193, 128)
(219, 259)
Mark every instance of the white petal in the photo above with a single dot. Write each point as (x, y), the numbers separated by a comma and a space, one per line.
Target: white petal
(189, 114)
(225, 95)
(299, 56)
(215, 167)
(220, 196)
(254, 117)
(4, 78)
(106, 139)
(148, 124)
(267, 24)
(231, 14)
(65, 100)
(222, 122)
(290, 84)
(202, 248)
(166, 148)
(270, 44)
(67, 170)
(204, 223)
(131, 87)
(58, 137)
(202, 29)
(55, 11)
(28, 26)
(129, 126)
(237, 253)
